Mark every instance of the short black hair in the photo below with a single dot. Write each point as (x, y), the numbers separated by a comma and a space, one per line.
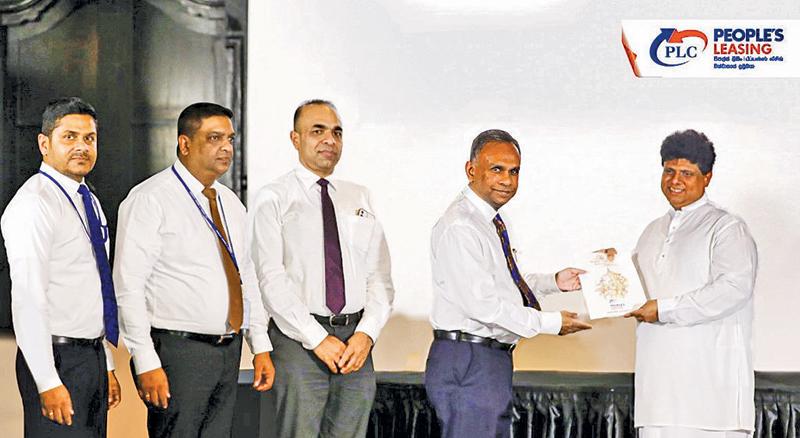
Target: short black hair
(192, 116)
(488, 136)
(64, 106)
(689, 145)
(299, 110)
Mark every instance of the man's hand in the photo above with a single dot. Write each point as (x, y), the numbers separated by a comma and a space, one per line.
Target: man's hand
(263, 372)
(571, 324)
(610, 253)
(114, 391)
(154, 388)
(355, 354)
(57, 405)
(647, 313)
(329, 351)
(568, 280)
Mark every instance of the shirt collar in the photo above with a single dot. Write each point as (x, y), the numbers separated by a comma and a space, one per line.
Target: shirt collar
(691, 207)
(486, 211)
(69, 184)
(308, 179)
(193, 183)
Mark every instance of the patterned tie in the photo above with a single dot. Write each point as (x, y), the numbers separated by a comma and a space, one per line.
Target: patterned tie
(528, 298)
(110, 322)
(231, 274)
(334, 275)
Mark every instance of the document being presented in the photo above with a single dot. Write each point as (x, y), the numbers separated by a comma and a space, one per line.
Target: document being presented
(611, 286)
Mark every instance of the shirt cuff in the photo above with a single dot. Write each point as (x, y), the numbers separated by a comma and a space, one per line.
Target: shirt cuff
(109, 357)
(370, 328)
(666, 308)
(317, 336)
(145, 361)
(48, 382)
(551, 322)
(259, 342)
(547, 284)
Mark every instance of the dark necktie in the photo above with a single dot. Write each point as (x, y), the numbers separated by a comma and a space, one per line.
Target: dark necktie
(528, 298)
(334, 274)
(235, 310)
(98, 240)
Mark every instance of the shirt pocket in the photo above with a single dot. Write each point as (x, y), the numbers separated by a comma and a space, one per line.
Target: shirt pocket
(359, 231)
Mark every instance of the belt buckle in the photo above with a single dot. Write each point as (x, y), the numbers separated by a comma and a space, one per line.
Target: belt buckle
(333, 320)
(224, 339)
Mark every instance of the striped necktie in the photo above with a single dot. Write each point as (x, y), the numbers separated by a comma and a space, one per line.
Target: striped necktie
(528, 298)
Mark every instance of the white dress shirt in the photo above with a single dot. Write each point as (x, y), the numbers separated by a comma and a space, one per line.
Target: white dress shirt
(287, 239)
(55, 284)
(472, 287)
(168, 270)
(694, 368)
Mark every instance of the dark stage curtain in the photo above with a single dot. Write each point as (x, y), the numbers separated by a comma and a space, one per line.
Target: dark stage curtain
(570, 405)
(546, 405)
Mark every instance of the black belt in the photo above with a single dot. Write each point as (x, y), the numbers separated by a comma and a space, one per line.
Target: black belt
(77, 342)
(219, 340)
(339, 320)
(460, 336)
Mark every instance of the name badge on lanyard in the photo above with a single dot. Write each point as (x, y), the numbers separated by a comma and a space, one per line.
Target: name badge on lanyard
(225, 243)
(103, 228)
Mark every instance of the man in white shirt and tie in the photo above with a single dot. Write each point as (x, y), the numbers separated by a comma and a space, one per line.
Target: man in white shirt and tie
(186, 287)
(324, 269)
(694, 364)
(61, 288)
(482, 303)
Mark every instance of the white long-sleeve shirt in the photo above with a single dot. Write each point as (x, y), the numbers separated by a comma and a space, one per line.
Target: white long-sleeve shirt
(287, 239)
(472, 287)
(55, 284)
(168, 271)
(694, 368)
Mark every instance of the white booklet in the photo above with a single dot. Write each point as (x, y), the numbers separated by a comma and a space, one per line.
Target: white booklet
(611, 285)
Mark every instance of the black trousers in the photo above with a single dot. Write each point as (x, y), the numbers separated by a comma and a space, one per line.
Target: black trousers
(202, 382)
(82, 370)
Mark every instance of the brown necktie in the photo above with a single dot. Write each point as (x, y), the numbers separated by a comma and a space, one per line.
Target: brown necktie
(231, 274)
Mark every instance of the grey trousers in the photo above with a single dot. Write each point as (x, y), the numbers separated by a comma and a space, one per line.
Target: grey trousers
(310, 401)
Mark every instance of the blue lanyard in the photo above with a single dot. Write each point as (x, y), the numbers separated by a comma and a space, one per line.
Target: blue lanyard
(228, 247)
(103, 229)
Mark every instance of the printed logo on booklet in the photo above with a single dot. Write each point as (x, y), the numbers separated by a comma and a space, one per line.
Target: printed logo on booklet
(712, 48)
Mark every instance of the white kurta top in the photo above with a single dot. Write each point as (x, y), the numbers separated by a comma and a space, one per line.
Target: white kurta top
(694, 367)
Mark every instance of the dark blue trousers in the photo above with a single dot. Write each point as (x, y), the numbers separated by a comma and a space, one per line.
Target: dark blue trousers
(469, 386)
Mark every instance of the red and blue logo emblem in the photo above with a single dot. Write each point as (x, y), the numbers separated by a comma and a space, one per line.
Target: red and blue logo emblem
(673, 47)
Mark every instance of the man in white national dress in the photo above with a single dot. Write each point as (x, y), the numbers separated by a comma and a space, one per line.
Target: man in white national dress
(694, 365)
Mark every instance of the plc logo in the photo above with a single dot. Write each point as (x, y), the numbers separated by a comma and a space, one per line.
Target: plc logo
(672, 47)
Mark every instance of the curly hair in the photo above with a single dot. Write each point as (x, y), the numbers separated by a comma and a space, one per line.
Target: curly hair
(690, 145)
